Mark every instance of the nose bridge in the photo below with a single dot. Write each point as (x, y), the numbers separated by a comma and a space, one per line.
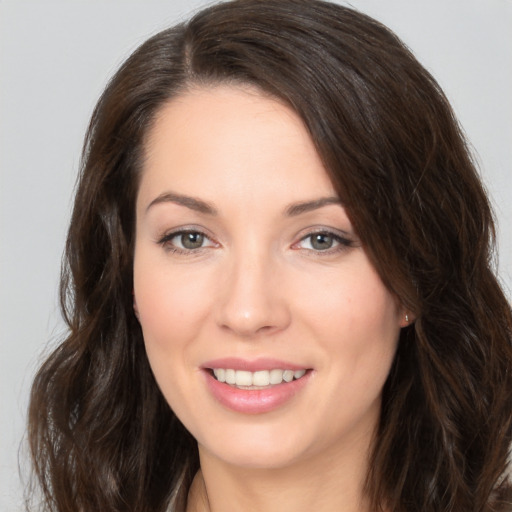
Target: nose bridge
(251, 301)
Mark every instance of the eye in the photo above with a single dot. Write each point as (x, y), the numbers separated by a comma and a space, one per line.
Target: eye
(186, 241)
(320, 241)
(190, 240)
(324, 241)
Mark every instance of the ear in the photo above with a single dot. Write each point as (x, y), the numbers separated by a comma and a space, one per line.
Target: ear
(135, 308)
(406, 318)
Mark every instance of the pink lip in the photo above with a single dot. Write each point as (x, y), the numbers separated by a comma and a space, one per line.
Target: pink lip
(236, 363)
(253, 401)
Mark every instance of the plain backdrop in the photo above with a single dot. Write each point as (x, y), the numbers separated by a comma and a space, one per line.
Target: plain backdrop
(55, 59)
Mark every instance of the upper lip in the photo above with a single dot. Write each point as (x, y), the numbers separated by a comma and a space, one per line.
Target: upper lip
(251, 365)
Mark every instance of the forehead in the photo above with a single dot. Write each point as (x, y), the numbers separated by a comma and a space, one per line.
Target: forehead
(228, 141)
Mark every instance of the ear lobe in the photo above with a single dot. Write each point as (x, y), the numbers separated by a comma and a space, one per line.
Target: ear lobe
(406, 319)
(135, 308)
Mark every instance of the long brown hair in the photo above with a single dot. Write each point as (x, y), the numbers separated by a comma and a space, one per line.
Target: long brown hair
(103, 438)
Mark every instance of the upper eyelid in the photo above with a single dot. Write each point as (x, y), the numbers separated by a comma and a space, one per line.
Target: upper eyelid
(169, 234)
(175, 234)
(338, 233)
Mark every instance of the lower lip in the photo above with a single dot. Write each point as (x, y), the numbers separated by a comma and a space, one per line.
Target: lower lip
(255, 401)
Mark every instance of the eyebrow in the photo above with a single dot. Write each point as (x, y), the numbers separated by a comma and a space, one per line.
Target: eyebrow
(193, 203)
(204, 207)
(308, 206)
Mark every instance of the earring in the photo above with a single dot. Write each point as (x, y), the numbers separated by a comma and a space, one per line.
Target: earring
(406, 318)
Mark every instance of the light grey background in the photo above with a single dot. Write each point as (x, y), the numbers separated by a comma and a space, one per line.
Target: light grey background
(55, 58)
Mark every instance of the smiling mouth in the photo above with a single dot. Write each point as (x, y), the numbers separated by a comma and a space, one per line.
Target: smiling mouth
(262, 379)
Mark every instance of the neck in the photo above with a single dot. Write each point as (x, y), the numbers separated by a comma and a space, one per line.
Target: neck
(322, 484)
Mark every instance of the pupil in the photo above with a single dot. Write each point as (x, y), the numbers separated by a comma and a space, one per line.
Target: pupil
(321, 242)
(192, 240)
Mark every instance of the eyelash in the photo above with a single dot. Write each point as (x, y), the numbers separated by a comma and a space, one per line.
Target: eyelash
(166, 240)
(341, 242)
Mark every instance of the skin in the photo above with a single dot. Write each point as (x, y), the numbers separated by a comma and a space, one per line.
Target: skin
(258, 287)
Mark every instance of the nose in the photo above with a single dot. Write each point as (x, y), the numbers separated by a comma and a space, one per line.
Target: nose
(252, 299)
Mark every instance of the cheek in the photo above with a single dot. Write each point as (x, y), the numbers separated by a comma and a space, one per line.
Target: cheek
(349, 301)
(356, 320)
(370, 345)
(170, 303)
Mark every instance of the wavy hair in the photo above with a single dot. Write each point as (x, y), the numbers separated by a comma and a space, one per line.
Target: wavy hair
(102, 436)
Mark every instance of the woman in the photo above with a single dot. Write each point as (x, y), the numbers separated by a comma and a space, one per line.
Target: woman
(277, 285)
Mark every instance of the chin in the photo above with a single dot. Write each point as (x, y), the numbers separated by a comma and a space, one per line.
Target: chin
(257, 448)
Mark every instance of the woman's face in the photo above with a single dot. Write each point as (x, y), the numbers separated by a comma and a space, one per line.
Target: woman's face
(247, 266)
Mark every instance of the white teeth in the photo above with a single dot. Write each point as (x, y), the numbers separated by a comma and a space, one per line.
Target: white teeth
(243, 378)
(288, 375)
(276, 376)
(230, 376)
(259, 379)
(220, 374)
